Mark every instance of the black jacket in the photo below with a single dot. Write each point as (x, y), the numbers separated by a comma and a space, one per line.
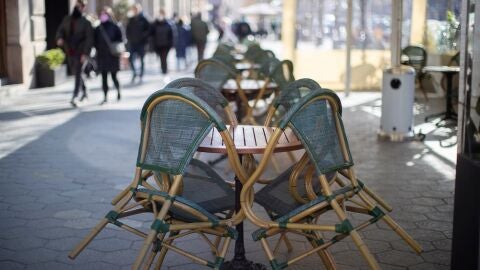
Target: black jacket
(137, 30)
(77, 35)
(162, 34)
(106, 61)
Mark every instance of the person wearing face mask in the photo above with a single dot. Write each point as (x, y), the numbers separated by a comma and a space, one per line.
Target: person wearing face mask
(137, 31)
(162, 39)
(106, 34)
(75, 36)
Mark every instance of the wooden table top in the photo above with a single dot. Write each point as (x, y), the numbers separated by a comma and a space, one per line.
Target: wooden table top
(246, 66)
(250, 139)
(247, 85)
(453, 69)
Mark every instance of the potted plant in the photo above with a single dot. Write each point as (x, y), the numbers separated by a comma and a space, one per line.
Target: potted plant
(50, 68)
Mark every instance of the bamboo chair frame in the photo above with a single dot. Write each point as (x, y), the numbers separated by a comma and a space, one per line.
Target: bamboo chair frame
(296, 222)
(133, 201)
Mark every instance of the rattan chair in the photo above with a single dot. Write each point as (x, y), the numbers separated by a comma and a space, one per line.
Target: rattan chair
(174, 122)
(416, 57)
(316, 120)
(216, 73)
(287, 97)
(213, 97)
(224, 55)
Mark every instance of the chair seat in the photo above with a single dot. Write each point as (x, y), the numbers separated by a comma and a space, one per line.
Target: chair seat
(203, 190)
(276, 198)
(303, 207)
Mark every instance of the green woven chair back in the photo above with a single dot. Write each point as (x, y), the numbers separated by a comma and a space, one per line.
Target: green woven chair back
(214, 72)
(318, 124)
(252, 53)
(203, 90)
(416, 57)
(282, 73)
(227, 59)
(172, 130)
(292, 93)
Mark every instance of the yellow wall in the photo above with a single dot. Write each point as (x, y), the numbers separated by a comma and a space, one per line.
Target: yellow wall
(327, 67)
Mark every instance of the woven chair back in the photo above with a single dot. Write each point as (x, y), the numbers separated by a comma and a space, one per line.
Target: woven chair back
(416, 57)
(174, 123)
(203, 90)
(317, 122)
(214, 72)
(282, 73)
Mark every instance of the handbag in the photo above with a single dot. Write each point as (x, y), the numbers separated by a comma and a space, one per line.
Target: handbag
(116, 48)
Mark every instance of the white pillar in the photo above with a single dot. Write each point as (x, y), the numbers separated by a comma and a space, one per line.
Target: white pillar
(289, 21)
(396, 37)
(348, 66)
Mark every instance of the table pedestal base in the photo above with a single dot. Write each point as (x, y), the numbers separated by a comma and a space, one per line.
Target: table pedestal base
(244, 264)
(446, 116)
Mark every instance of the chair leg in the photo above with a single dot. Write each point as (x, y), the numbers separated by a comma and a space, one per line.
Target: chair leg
(223, 251)
(216, 243)
(342, 216)
(288, 243)
(268, 252)
(324, 254)
(152, 235)
(164, 250)
(393, 225)
(96, 230)
(403, 234)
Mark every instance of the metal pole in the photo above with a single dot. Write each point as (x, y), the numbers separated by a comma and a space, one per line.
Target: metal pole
(348, 66)
(396, 37)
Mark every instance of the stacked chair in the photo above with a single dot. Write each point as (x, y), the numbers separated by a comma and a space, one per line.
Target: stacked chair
(183, 195)
(327, 162)
(216, 73)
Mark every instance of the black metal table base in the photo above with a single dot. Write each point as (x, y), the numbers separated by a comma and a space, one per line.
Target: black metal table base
(242, 265)
(449, 114)
(446, 116)
(239, 260)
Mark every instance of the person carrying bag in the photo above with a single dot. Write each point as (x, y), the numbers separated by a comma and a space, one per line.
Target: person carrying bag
(109, 46)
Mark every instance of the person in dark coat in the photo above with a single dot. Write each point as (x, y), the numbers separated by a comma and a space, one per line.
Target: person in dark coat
(137, 31)
(200, 31)
(162, 39)
(183, 39)
(107, 62)
(75, 35)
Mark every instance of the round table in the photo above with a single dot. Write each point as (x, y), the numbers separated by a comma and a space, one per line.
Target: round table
(248, 139)
(250, 87)
(246, 66)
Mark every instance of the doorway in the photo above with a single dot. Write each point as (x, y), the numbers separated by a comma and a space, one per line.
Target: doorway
(54, 12)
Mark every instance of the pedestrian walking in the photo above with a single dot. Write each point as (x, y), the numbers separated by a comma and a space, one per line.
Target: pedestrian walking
(108, 36)
(183, 39)
(137, 31)
(200, 31)
(162, 39)
(75, 36)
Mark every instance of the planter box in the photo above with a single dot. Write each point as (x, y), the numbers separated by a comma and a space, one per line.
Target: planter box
(466, 217)
(47, 77)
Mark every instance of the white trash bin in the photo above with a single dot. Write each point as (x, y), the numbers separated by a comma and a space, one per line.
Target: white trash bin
(398, 92)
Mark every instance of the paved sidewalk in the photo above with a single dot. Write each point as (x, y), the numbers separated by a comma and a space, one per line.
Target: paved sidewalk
(60, 167)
